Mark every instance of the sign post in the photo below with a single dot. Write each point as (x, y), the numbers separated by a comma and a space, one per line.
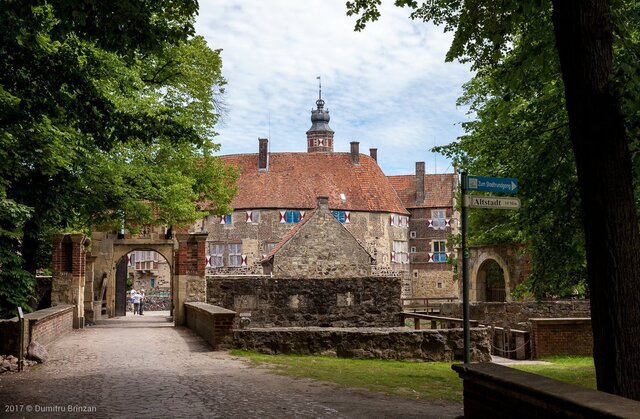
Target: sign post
(21, 339)
(465, 275)
(484, 184)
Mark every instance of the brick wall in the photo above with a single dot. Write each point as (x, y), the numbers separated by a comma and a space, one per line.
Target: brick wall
(211, 323)
(572, 336)
(46, 326)
(43, 326)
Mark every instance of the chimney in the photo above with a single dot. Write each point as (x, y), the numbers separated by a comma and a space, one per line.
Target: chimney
(263, 155)
(419, 182)
(323, 202)
(355, 152)
(373, 152)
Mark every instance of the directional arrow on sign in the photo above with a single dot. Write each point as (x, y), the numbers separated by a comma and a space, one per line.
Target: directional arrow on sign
(492, 184)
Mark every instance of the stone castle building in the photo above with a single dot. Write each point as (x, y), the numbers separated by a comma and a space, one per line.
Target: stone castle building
(277, 191)
(430, 200)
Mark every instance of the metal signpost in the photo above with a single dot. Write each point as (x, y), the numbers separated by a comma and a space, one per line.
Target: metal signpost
(21, 339)
(483, 184)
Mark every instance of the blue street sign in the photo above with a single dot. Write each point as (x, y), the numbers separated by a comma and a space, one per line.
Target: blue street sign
(492, 184)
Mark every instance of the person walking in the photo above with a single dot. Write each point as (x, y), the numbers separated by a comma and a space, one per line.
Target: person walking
(136, 303)
(130, 299)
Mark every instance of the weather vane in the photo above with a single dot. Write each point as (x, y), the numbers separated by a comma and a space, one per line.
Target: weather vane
(319, 88)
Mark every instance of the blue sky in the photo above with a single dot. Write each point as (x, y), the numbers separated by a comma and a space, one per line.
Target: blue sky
(387, 87)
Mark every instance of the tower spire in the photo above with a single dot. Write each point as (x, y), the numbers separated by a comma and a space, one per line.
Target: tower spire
(319, 136)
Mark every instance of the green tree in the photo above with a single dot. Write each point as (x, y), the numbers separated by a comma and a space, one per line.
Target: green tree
(600, 139)
(107, 114)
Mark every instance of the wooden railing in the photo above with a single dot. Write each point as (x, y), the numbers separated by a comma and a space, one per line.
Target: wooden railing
(425, 304)
(505, 342)
(436, 322)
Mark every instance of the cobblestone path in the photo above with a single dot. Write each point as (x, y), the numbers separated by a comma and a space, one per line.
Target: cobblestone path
(143, 367)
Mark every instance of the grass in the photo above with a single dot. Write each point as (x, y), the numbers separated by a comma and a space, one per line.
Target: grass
(416, 380)
(577, 370)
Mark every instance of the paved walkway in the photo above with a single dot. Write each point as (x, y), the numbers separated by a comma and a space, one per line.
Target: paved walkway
(143, 367)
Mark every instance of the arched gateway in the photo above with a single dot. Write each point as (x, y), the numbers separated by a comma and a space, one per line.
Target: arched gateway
(495, 271)
(84, 271)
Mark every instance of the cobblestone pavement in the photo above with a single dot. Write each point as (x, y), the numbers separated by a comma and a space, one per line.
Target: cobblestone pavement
(143, 367)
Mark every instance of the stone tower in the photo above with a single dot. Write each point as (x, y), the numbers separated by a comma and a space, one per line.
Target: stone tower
(320, 135)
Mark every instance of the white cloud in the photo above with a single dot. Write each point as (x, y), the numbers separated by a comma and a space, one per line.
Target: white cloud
(387, 87)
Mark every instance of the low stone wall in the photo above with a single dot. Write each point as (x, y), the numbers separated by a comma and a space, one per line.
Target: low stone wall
(516, 315)
(43, 326)
(496, 391)
(211, 323)
(561, 337)
(366, 343)
(287, 302)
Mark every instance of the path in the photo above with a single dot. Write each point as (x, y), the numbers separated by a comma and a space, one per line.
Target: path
(143, 367)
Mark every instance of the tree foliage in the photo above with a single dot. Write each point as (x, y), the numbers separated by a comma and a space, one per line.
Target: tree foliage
(557, 103)
(107, 115)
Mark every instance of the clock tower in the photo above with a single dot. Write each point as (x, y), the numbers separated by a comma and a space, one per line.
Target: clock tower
(320, 135)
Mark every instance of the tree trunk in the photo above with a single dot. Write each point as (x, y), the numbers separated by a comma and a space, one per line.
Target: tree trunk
(584, 41)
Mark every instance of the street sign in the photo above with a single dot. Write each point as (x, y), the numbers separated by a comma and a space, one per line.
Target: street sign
(495, 202)
(492, 184)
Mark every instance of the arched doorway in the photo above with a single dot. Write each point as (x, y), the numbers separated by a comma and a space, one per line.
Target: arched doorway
(148, 272)
(491, 282)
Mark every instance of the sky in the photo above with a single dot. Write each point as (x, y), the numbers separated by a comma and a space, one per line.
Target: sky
(387, 87)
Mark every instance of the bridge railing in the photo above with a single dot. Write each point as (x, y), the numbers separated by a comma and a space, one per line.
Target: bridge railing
(435, 322)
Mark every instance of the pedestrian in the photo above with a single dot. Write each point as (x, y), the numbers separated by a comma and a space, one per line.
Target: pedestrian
(130, 300)
(136, 303)
(141, 302)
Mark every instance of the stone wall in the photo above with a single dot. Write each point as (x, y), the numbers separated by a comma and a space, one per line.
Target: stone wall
(516, 315)
(211, 323)
(496, 391)
(561, 337)
(339, 302)
(366, 343)
(434, 283)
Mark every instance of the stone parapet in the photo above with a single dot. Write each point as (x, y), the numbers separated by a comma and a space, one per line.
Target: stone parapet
(366, 343)
(566, 336)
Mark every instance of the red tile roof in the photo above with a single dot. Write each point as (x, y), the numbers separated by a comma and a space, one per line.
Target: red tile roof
(438, 190)
(295, 180)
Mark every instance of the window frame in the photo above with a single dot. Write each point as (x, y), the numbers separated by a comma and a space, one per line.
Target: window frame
(439, 222)
(217, 259)
(234, 255)
(439, 255)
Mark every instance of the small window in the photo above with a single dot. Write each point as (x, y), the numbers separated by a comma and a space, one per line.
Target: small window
(438, 284)
(153, 282)
(216, 251)
(415, 274)
(292, 216)
(340, 216)
(412, 234)
(255, 217)
(271, 246)
(225, 219)
(439, 252)
(235, 255)
(413, 249)
(438, 221)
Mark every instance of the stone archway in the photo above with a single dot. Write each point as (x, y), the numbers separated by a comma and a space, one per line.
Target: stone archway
(513, 259)
(478, 277)
(491, 282)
